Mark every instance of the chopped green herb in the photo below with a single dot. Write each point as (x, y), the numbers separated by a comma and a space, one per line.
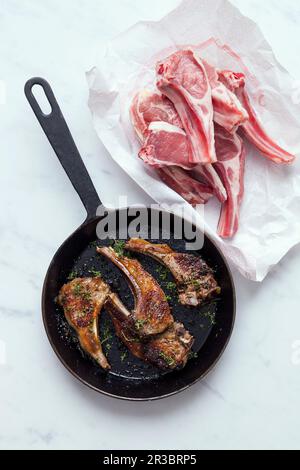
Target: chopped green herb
(119, 247)
(77, 290)
(162, 272)
(108, 347)
(81, 314)
(193, 355)
(196, 283)
(72, 275)
(124, 356)
(168, 359)
(106, 335)
(171, 285)
(86, 295)
(139, 324)
(94, 272)
(169, 298)
(211, 316)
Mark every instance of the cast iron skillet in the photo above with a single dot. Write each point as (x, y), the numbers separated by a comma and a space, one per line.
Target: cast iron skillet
(130, 378)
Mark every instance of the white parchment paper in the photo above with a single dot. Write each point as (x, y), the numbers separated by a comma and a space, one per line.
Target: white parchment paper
(270, 213)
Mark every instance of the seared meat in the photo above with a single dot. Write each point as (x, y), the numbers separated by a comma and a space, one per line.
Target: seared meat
(194, 278)
(151, 314)
(168, 350)
(122, 320)
(82, 300)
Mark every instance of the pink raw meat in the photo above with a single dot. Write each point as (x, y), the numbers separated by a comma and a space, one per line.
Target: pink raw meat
(228, 111)
(209, 174)
(147, 107)
(182, 183)
(231, 167)
(165, 143)
(253, 128)
(182, 78)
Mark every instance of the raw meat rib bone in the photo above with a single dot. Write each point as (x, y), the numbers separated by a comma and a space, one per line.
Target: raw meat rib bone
(194, 278)
(82, 300)
(182, 78)
(228, 110)
(157, 143)
(253, 128)
(151, 314)
(231, 167)
(168, 350)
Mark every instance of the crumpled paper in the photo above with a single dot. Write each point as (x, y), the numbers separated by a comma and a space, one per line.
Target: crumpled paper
(269, 222)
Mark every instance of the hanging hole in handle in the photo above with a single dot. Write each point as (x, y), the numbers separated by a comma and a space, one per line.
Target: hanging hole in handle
(41, 99)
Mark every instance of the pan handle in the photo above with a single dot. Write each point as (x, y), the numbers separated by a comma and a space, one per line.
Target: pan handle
(59, 136)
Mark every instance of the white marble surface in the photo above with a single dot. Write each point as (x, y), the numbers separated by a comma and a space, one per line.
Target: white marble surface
(252, 399)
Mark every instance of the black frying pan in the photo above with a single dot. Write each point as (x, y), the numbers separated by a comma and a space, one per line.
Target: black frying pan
(129, 378)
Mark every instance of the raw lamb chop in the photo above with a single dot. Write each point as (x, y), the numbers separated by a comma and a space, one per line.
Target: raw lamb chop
(193, 191)
(82, 300)
(148, 107)
(230, 166)
(253, 128)
(168, 350)
(160, 137)
(165, 145)
(228, 110)
(209, 174)
(151, 314)
(194, 278)
(182, 78)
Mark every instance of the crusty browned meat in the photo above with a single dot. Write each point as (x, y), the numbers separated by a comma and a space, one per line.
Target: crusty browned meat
(151, 314)
(82, 300)
(194, 278)
(168, 350)
(122, 320)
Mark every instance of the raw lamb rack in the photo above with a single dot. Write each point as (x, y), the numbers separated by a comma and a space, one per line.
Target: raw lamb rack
(191, 133)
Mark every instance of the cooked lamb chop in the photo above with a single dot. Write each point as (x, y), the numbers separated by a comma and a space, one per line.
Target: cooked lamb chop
(82, 300)
(195, 279)
(152, 313)
(168, 350)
